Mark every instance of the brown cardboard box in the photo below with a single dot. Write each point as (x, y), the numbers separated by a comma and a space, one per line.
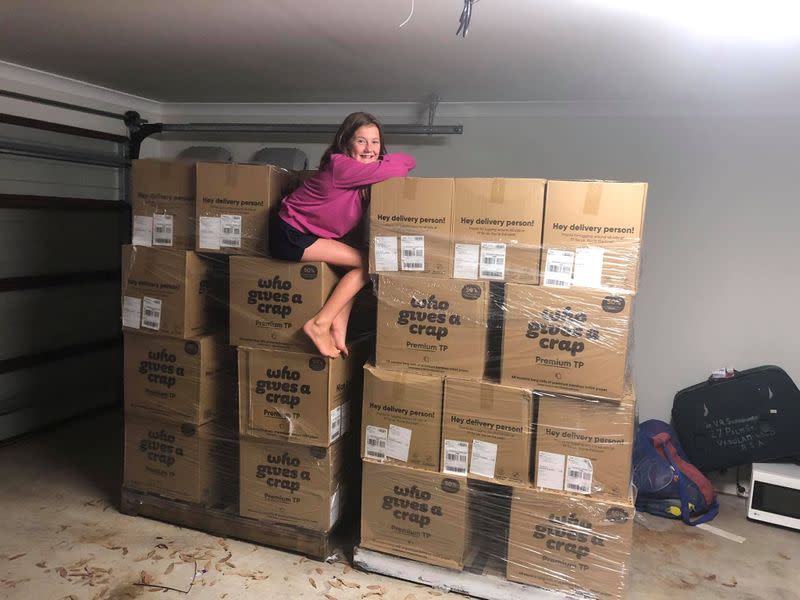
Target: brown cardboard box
(402, 418)
(410, 226)
(497, 229)
(592, 234)
(572, 544)
(486, 430)
(189, 381)
(432, 325)
(568, 341)
(292, 484)
(585, 447)
(414, 514)
(271, 300)
(169, 292)
(162, 203)
(298, 397)
(179, 461)
(234, 204)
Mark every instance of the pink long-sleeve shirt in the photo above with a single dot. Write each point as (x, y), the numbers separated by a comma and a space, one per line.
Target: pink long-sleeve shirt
(328, 205)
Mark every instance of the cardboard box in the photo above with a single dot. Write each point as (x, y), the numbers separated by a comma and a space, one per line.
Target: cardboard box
(432, 325)
(298, 397)
(271, 300)
(585, 447)
(162, 203)
(235, 203)
(486, 430)
(566, 341)
(179, 461)
(402, 418)
(497, 229)
(410, 226)
(572, 544)
(189, 381)
(292, 484)
(170, 292)
(414, 514)
(593, 234)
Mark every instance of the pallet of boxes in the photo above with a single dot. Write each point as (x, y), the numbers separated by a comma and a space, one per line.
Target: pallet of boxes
(233, 424)
(498, 418)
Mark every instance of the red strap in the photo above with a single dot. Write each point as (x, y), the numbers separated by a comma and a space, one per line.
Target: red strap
(662, 441)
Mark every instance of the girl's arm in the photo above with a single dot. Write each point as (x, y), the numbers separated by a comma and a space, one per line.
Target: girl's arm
(350, 173)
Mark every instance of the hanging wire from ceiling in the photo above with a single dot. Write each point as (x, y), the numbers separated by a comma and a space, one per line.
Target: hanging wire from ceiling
(466, 18)
(409, 15)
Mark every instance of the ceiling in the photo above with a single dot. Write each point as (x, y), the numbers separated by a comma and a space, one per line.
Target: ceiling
(355, 51)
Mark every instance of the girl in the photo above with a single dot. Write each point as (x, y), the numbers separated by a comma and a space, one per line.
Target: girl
(327, 207)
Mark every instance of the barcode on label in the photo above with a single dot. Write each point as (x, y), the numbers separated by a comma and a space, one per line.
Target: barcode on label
(557, 268)
(492, 274)
(374, 454)
(493, 260)
(556, 283)
(456, 457)
(411, 266)
(579, 474)
(376, 442)
(413, 252)
(230, 230)
(578, 487)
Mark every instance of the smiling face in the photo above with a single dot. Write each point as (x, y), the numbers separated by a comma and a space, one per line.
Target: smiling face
(365, 145)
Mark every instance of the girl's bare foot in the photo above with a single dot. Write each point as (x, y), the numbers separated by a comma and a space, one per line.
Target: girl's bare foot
(322, 338)
(339, 335)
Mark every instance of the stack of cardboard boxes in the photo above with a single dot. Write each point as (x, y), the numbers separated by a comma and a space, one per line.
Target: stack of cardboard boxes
(261, 456)
(499, 413)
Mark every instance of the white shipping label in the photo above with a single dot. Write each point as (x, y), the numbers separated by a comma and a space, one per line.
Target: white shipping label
(465, 261)
(558, 268)
(385, 253)
(375, 444)
(142, 231)
(550, 471)
(336, 507)
(398, 443)
(131, 312)
(588, 267)
(484, 458)
(579, 475)
(210, 233)
(412, 252)
(493, 261)
(162, 230)
(336, 424)
(456, 457)
(230, 231)
(151, 313)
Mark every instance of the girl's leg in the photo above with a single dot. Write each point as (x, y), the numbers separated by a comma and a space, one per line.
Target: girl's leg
(339, 328)
(320, 327)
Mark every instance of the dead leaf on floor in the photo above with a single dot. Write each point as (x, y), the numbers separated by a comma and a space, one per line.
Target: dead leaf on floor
(433, 593)
(42, 564)
(350, 584)
(124, 551)
(329, 597)
(732, 584)
(318, 570)
(169, 569)
(303, 559)
(379, 588)
(784, 556)
(146, 578)
(371, 594)
(225, 558)
(162, 546)
(16, 556)
(70, 597)
(230, 564)
(410, 597)
(312, 582)
(347, 569)
(62, 571)
(335, 583)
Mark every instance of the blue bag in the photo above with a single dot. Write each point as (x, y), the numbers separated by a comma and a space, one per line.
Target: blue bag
(668, 485)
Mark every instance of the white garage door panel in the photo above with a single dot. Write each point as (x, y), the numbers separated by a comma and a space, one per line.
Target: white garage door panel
(34, 176)
(62, 382)
(45, 242)
(37, 320)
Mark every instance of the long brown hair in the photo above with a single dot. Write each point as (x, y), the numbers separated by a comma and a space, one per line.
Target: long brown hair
(347, 130)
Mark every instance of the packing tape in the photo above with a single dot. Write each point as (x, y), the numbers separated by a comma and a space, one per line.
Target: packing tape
(410, 188)
(591, 204)
(487, 397)
(230, 174)
(498, 193)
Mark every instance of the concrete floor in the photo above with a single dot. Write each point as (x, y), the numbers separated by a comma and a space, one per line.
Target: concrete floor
(62, 538)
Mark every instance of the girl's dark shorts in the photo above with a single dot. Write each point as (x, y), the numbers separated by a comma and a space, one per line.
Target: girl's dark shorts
(286, 242)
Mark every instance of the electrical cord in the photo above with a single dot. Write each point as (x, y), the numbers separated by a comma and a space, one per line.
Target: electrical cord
(466, 18)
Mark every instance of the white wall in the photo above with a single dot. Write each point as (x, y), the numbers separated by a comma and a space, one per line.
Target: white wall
(720, 253)
(719, 272)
